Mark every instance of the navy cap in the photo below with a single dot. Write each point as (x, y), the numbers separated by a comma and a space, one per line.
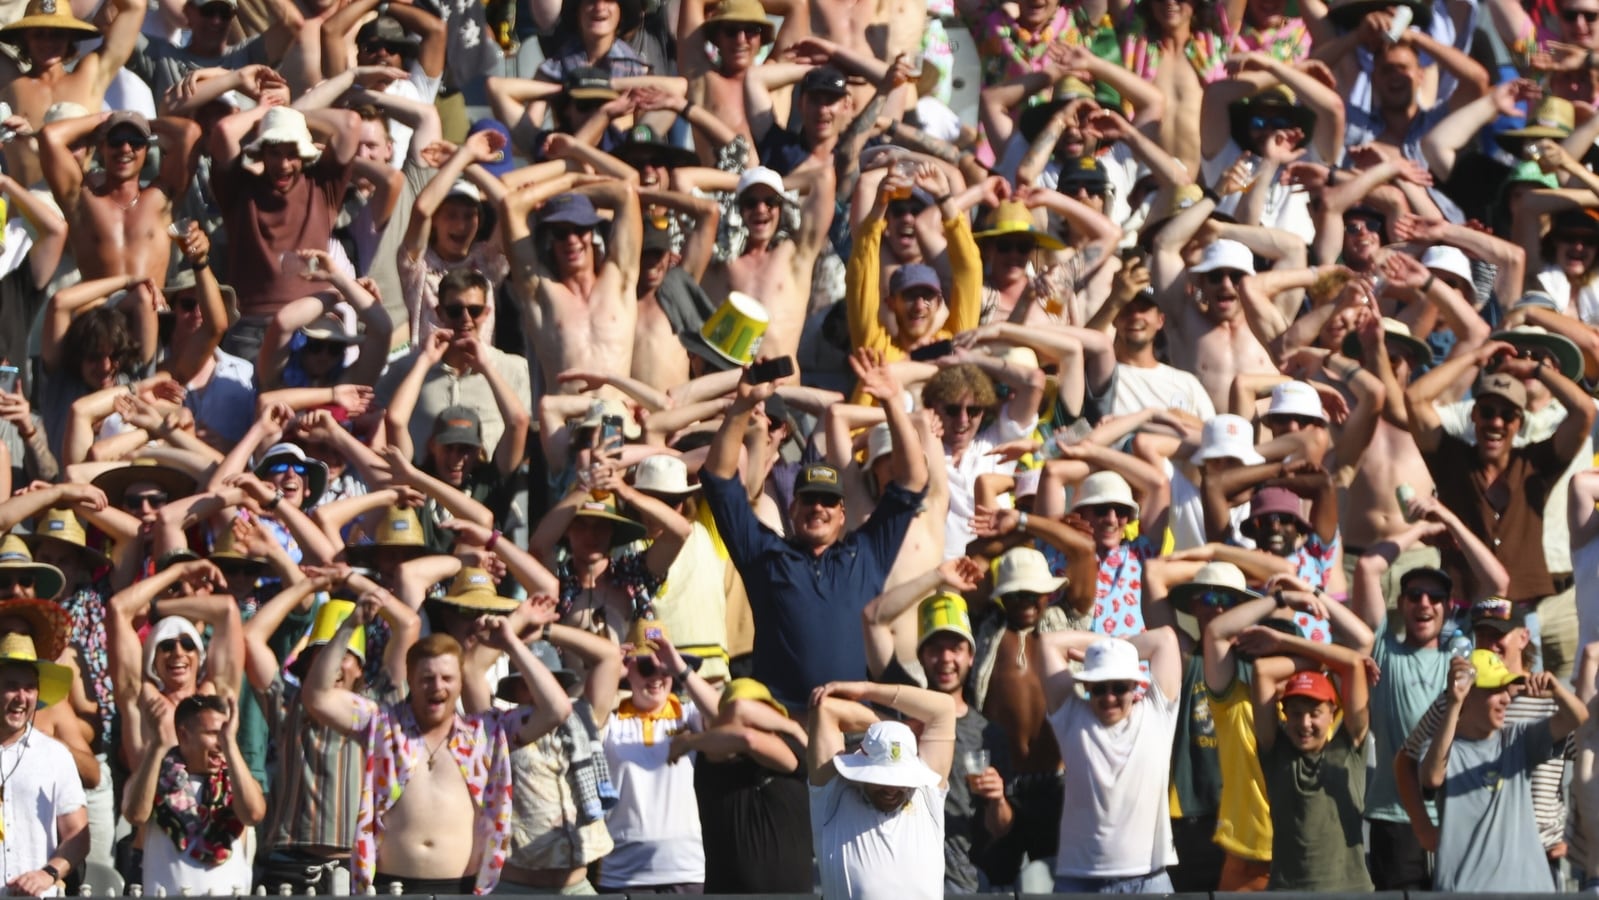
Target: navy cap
(818, 478)
(825, 79)
(914, 275)
(499, 168)
(569, 209)
(1084, 170)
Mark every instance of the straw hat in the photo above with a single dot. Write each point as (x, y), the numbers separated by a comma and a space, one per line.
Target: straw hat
(742, 11)
(400, 529)
(1013, 217)
(14, 556)
(474, 589)
(225, 553)
(62, 525)
(48, 14)
(1553, 118)
(115, 482)
(55, 681)
(46, 620)
(283, 125)
(623, 531)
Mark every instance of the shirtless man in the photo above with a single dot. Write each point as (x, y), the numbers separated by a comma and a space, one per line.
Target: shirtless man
(670, 301)
(737, 29)
(48, 39)
(1212, 337)
(1171, 29)
(148, 678)
(117, 226)
(436, 829)
(775, 267)
(577, 311)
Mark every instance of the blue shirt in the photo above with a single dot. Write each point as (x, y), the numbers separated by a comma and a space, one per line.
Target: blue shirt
(807, 608)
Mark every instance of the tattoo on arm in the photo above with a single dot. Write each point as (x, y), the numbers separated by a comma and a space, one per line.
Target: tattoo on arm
(914, 138)
(1038, 154)
(847, 157)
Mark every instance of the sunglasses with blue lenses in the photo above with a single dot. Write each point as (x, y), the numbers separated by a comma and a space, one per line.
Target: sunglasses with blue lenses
(297, 468)
(1275, 123)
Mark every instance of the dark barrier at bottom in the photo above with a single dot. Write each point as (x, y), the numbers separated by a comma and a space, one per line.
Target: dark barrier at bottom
(1276, 895)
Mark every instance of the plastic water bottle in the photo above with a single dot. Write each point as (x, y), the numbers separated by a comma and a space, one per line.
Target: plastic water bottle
(1461, 647)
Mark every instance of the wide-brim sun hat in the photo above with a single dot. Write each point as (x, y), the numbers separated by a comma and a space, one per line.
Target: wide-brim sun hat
(46, 620)
(887, 758)
(284, 125)
(1025, 570)
(1279, 100)
(43, 14)
(1012, 217)
(47, 579)
(1296, 398)
(473, 589)
(1392, 330)
(1220, 577)
(1105, 487)
(115, 482)
(623, 530)
(1537, 337)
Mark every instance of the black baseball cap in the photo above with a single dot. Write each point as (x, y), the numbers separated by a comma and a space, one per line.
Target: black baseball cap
(819, 478)
(824, 79)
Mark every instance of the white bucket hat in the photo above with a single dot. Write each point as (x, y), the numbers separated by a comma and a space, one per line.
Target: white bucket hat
(1228, 437)
(1296, 398)
(879, 443)
(1111, 659)
(1105, 487)
(1025, 569)
(763, 176)
(1225, 254)
(170, 628)
(283, 125)
(887, 757)
(1449, 260)
(663, 474)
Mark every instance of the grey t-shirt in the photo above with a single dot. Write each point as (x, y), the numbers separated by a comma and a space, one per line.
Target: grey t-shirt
(1412, 677)
(162, 65)
(1488, 839)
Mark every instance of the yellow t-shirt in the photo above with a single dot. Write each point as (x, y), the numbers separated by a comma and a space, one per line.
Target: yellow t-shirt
(1243, 821)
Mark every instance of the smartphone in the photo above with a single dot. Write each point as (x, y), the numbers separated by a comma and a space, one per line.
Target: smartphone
(770, 370)
(610, 432)
(935, 350)
(8, 379)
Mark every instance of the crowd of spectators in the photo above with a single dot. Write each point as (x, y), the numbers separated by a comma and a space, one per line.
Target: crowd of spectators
(893, 449)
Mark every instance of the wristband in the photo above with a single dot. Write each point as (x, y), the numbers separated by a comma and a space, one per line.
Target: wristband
(687, 105)
(494, 538)
(1330, 173)
(154, 615)
(1588, 61)
(1278, 596)
(50, 870)
(1427, 285)
(940, 201)
(1021, 521)
(277, 497)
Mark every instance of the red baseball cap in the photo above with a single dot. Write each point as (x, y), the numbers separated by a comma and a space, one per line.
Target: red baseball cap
(1314, 685)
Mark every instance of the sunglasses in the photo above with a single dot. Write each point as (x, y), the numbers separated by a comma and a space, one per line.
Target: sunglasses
(1282, 420)
(154, 499)
(770, 201)
(1025, 598)
(1112, 688)
(1488, 412)
(647, 667)
(562, 232)
(127, 139)
(1014, 246)
(457, 311)
(1218, 276)
(1572, 15)
(1418, 594)
(217, 11)
(171, 645)
(7, 582)
(1275, 519)
(954, 410)
(1585, 238)
(187, 304)
(1104, 509)
(1360, 226)
(748, 29)
(297, 468)
(829, 501)
(1082, 190)
(1215, 599)
(316, 346)
(901, 208)
(1276, 123)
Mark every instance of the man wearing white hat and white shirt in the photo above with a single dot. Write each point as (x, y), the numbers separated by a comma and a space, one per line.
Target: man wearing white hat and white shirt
(1115, 727)
(1226, 441)
(877, 814)
(777, 272)
(1212, 337)
(290, 205)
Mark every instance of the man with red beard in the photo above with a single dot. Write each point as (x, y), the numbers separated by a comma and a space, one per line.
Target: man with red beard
(436, 800)
(1500, 490)
(116, 225)
(289, 206)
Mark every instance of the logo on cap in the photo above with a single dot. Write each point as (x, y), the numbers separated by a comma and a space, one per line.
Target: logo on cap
(1492, 608)
(401, 525)
(894, 751)
(821, 474)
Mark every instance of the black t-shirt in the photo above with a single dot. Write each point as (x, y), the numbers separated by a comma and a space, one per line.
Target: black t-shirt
(782, 150)
(757, 825)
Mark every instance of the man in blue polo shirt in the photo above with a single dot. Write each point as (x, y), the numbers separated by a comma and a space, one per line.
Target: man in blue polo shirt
(807, 590)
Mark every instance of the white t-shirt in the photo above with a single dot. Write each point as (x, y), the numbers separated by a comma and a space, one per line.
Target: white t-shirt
(975, 461)
(166, 868)
(1116, 821)
(656, 820)
(418, 87)
(1286, 208)
(1164, 386)
(41, 786)
(865, 854)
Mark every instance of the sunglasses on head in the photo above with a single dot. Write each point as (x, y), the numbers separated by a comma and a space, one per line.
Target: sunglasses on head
(21, 580)
(155, 499)
(1112, 688)
(1013, 245)
(1572, 15)
(171, 645)
(973, 411)
(297, 468)
(1218, 276)
(1276, 123)
(457, 310)
(1416, 594)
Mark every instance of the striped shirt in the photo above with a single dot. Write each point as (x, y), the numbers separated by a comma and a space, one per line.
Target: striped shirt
(1548, 800)
(317, 785)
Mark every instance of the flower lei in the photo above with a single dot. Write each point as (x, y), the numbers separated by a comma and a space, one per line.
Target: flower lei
(202, 825)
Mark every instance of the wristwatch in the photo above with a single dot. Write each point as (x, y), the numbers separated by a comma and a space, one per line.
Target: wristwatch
(52, 871)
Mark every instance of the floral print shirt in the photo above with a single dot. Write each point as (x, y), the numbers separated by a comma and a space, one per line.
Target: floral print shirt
(1314, 562)
(1118, 597)
(479, 744)
(86, 617)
